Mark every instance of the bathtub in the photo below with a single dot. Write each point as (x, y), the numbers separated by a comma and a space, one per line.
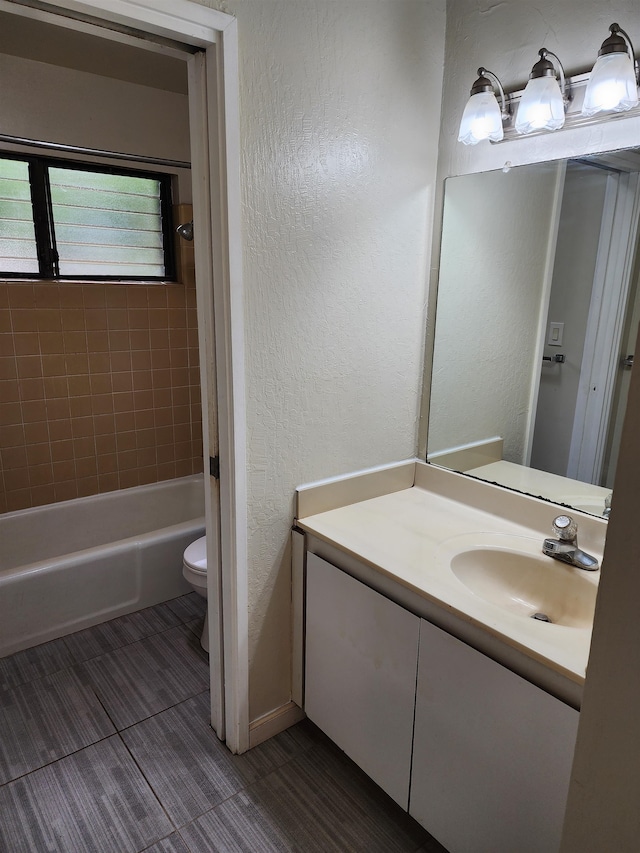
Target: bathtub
(73, 564)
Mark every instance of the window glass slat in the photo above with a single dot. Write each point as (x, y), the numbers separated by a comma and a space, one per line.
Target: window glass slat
(12, 189)
(121, 184)
(108, 254)
(108, 236)
(16, 210)
(113, 270)
(96, 199)
(18, 251)
(10, 265)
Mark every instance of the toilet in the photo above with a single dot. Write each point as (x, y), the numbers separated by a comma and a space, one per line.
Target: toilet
(194, 569)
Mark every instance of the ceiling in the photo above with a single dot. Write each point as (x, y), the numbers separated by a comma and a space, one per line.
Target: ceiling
(44, 42)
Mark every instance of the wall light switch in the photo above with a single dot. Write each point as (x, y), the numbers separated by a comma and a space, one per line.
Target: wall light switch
(556, 333)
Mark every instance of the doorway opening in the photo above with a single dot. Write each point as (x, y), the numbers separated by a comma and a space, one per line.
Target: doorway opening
(205, 42)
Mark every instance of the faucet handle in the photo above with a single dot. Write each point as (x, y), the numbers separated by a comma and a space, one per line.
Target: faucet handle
(565, 528)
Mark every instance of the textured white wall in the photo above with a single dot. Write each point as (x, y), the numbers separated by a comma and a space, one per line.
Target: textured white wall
(496, 235)
(339, 106)
(602, 813)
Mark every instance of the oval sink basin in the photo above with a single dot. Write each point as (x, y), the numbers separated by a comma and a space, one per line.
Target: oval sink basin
(526, 584)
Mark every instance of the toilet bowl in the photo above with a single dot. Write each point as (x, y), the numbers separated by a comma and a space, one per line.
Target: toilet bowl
(194, 570)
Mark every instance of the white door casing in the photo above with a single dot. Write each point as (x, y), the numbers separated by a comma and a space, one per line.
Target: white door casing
(215, 152)
(616, 253)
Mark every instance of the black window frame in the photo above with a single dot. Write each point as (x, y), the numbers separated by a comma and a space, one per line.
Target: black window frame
(44, 225)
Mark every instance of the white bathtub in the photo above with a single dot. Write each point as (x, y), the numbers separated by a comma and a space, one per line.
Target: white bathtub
(69, 565)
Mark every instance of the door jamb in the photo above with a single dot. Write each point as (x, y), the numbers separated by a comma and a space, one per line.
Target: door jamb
(616, 251)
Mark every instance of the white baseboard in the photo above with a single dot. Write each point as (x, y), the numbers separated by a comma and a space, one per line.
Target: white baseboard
(274, 722)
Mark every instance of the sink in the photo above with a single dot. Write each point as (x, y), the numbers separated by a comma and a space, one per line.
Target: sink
(512, 573)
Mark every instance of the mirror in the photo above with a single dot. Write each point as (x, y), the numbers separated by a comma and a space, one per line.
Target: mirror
(536, 321)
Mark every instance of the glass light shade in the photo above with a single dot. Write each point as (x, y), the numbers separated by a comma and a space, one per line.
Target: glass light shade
(541, 106)
(481, 119)
(612, 85)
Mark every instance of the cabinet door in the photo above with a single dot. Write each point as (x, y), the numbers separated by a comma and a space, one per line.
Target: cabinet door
(361, 662)
(492, 753)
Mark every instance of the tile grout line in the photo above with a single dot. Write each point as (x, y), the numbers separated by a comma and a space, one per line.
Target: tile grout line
(149, 785)
(56, 760)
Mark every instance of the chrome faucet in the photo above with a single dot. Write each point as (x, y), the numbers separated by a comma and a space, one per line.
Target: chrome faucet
(565, 547)
(607, 505)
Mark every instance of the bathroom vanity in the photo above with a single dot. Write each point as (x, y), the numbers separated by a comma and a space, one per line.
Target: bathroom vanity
(423, 661)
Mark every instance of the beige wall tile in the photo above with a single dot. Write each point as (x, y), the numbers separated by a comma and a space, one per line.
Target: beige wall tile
(93, 379)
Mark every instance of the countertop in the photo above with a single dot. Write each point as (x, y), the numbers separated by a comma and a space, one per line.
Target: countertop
(407, 536)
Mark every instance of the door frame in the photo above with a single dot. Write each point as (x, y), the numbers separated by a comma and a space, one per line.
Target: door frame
(212, 40)
(614, 266)
(555, 212)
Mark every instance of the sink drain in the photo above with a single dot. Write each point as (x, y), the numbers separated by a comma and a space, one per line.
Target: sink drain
(541, 617)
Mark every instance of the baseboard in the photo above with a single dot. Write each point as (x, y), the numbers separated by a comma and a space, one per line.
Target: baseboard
(274, 722)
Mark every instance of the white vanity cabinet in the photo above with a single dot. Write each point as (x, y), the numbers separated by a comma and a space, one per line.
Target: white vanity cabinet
(360, 676)
(485, 763)
(492, 753)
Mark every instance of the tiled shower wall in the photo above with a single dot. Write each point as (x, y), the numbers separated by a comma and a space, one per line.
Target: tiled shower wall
(99, 389)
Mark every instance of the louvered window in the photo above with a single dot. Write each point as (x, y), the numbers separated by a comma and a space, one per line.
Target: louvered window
(69, 221)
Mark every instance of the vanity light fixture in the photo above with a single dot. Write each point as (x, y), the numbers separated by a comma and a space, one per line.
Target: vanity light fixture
(613, 83)
(483, 117)
(544, 100)
(551, 100)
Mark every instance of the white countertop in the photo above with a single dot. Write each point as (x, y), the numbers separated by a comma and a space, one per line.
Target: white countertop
(406, 536)
(582, 496)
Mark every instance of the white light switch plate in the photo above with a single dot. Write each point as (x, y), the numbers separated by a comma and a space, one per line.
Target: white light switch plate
(556, 333)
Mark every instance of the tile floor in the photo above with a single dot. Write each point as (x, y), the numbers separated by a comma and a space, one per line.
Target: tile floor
(105, 747)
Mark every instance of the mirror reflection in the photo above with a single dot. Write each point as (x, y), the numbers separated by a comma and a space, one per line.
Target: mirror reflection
(536, 324)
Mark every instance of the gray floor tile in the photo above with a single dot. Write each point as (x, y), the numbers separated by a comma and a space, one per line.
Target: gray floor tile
(47, 719)
(189, 769)
(99, 639)
(296, 792)
(432, 846)
(172, 844)
(94, 800)
(34, 663)
(188, 607)
(196, 626)
(149, 676)
(277, 751)
(242, 825)
(317, 803)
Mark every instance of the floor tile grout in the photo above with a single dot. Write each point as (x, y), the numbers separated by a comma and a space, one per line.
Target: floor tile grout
(151, 788)
(157, 713)
(57, 760)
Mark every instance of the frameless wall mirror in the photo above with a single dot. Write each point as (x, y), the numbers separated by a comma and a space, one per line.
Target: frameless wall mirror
(537, 316)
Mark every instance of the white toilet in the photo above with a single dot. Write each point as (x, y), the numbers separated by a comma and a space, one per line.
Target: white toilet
(194, 569)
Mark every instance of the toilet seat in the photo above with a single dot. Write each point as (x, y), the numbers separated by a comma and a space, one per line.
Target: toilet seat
(195, 556)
